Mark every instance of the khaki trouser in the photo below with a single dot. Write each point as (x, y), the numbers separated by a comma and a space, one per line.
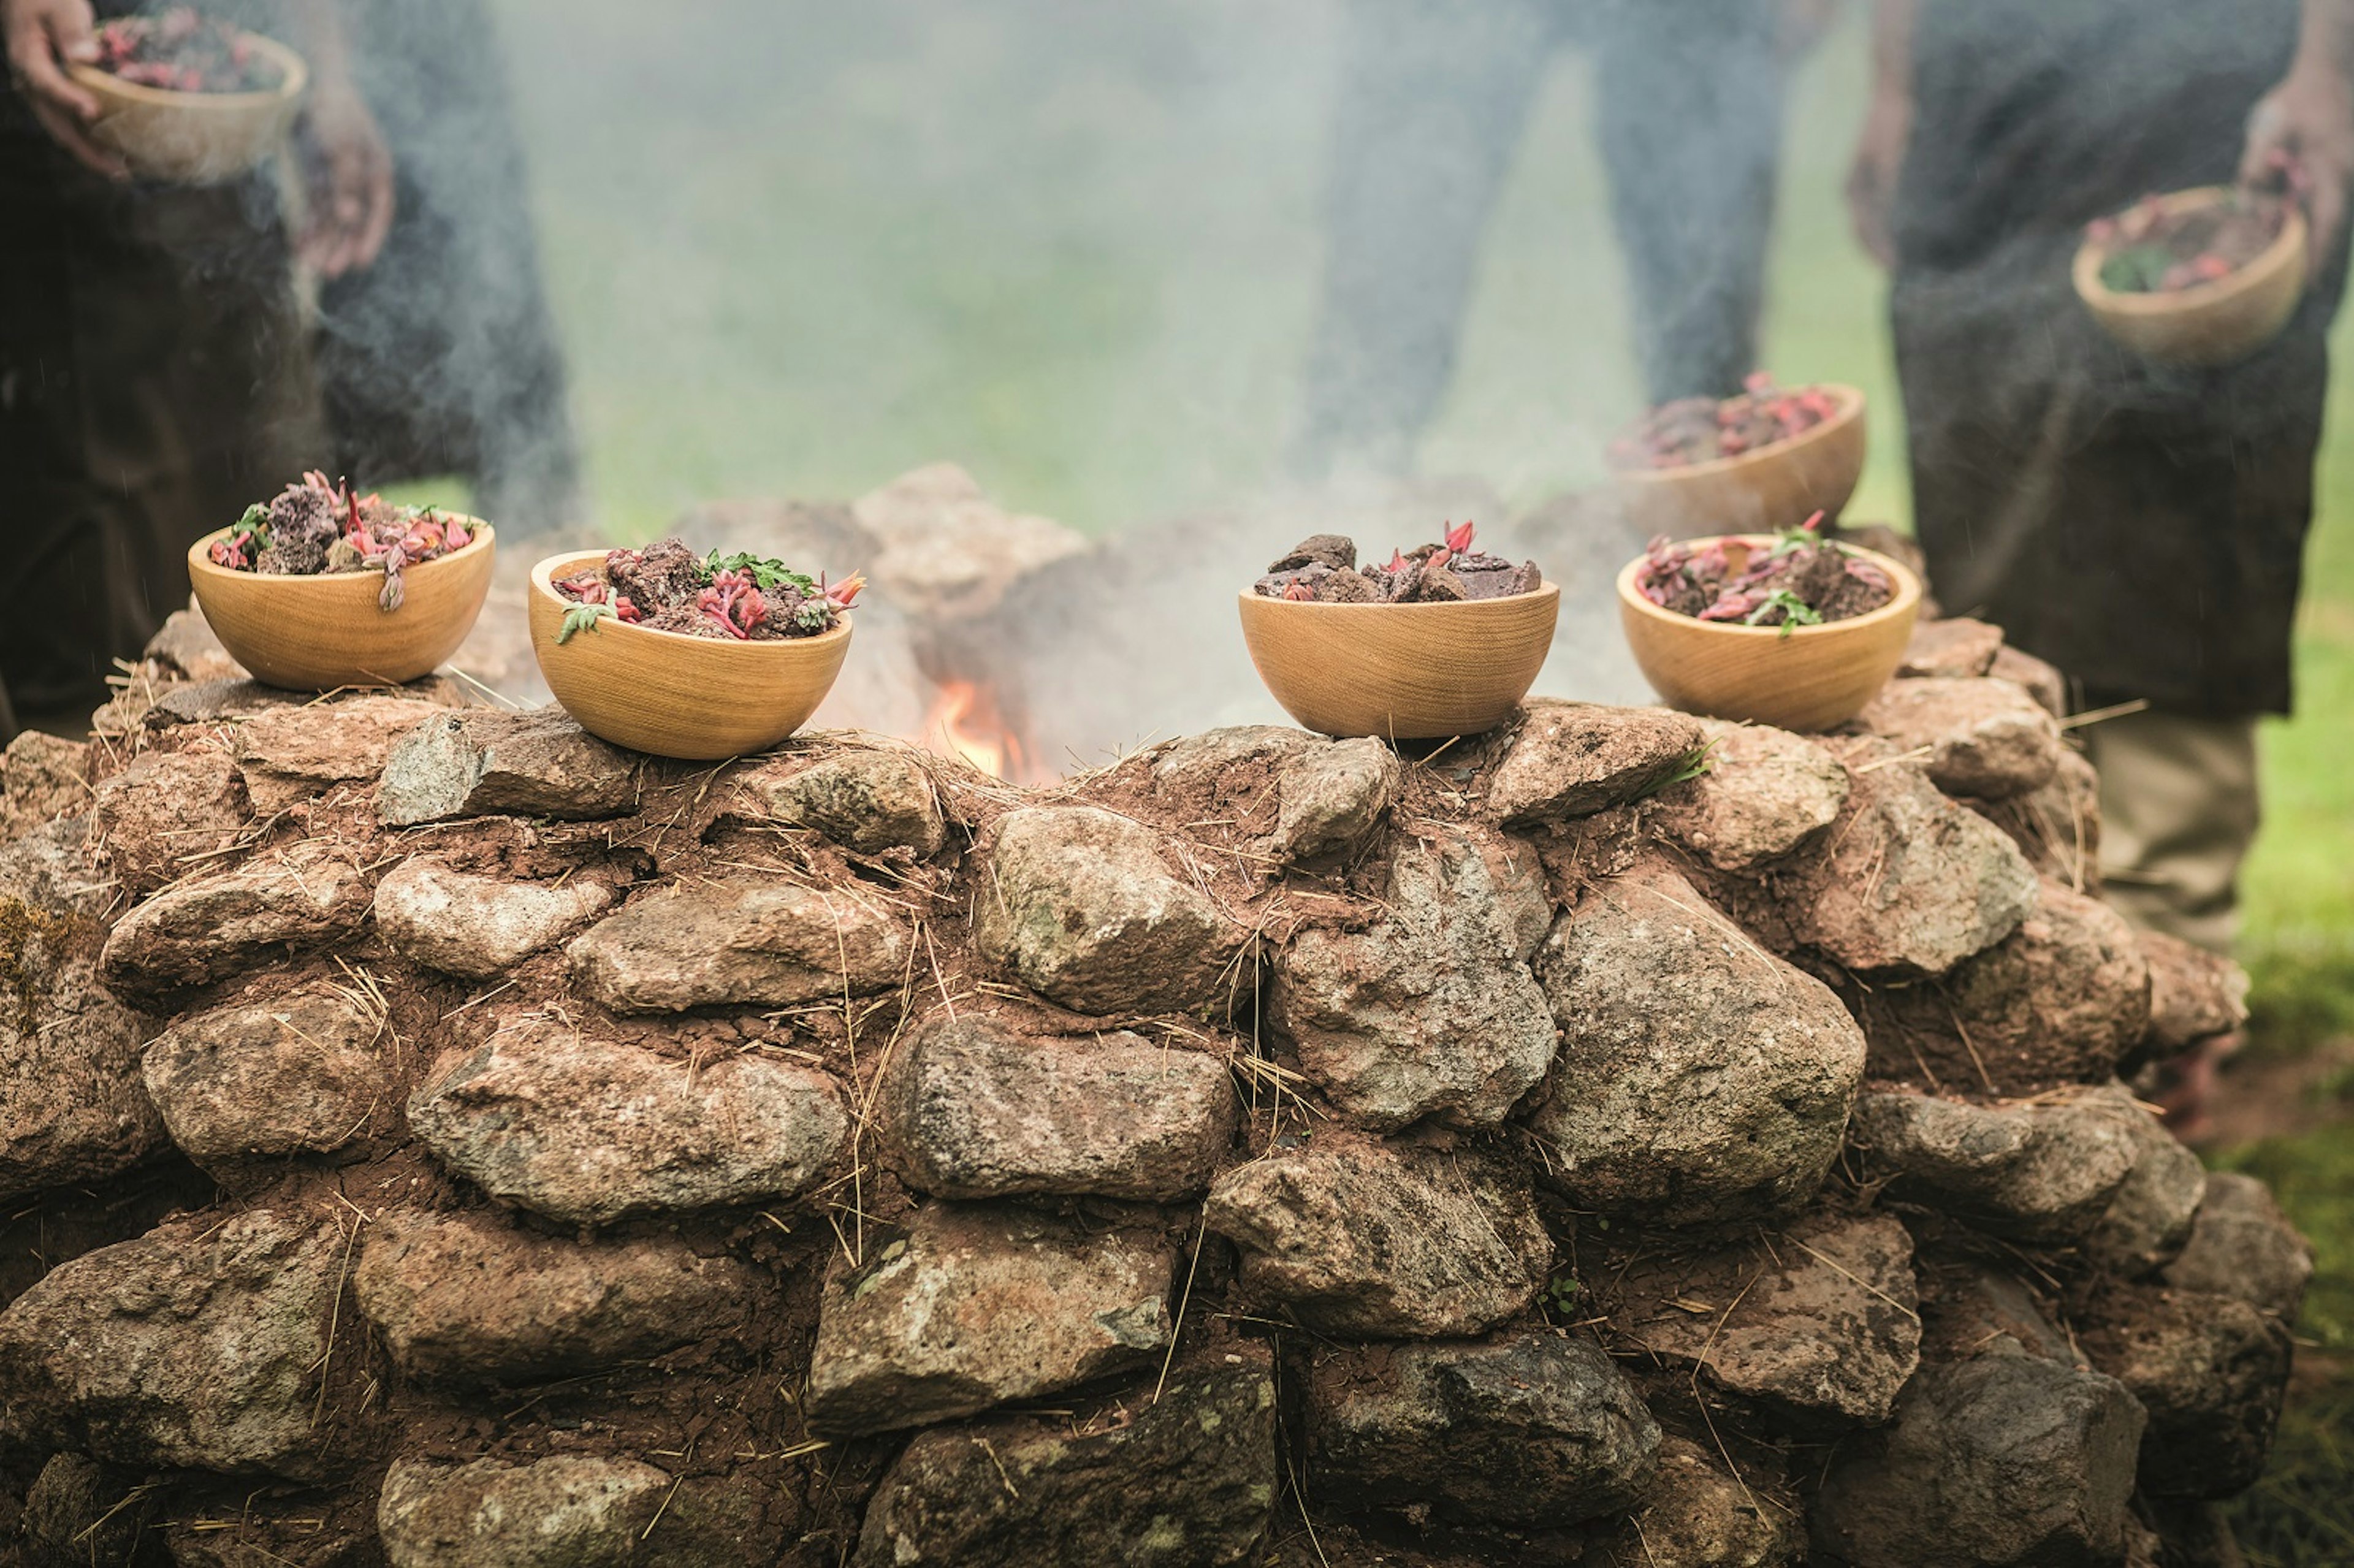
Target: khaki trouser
(2179, 810)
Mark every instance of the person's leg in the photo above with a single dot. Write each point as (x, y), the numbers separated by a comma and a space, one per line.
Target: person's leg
(2179, 810)
(1432, 100)
(1688, 96)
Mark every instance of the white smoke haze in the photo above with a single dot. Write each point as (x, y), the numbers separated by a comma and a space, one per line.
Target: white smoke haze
(795, 250)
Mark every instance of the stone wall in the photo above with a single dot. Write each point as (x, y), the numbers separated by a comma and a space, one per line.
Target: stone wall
(432, 1137)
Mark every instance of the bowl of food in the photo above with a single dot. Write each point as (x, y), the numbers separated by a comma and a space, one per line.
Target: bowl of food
(185, 97)
(1760, 462)
(323, 586)
(699, 657)
(1791, 629)
(1443, 640)
(2201, 277)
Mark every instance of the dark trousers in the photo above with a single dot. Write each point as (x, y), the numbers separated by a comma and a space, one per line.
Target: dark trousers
(1434, 98)
(2138, 524)
(153, 382)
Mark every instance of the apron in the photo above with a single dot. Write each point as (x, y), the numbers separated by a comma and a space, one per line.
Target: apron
(153, 380)
(2139, 524)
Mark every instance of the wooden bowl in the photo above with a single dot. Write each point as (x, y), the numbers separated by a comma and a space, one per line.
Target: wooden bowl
(2207, 323)
(310, 634)
(1765, 491)
(1811, 679)
(699, 698)
(194, 137)
(1402, 672)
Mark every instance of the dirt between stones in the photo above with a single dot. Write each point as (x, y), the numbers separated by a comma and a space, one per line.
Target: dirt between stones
(721, 1416)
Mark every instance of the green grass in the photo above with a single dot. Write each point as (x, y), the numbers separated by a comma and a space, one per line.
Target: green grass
(2300, 1515)
(1075, 248)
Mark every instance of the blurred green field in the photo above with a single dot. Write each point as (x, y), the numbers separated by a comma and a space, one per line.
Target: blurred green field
(1074, 249)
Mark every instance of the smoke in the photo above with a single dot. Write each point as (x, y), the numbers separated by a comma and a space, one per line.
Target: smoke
(795, 248)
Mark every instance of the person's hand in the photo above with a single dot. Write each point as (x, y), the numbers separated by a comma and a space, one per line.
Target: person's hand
(347, 180)
(41, 36)
(1871, 178)
(2307, 123)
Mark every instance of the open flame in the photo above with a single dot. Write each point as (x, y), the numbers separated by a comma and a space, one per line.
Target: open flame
(964, 720)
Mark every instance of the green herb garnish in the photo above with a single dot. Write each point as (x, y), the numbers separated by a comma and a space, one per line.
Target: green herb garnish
(1796, 611)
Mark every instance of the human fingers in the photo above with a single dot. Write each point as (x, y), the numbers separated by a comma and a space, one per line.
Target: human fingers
(39, 36)
(69, 133)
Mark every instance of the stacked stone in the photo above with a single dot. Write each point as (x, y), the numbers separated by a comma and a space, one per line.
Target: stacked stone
(444, 1140)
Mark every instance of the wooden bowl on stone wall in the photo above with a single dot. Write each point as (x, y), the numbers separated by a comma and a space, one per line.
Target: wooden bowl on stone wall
(315, 634)
(1402, 671)
(2207, 323)
(194, 137)
(1765, 491)
(698, 698)
(1810, 679)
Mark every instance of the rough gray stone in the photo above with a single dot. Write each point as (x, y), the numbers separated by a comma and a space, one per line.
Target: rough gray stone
(2194, 995)
(2004, 1461)
(1956, 647)
(741, 938)
(1189, 1482)
(1376, 1239)
(1823, 1324)
(1532, 1428)
(969, 1108)
(487, 761)
(1078, 905)
(946, 552)
(1331, 797)
(1970, 1307)
(196, 1345)
(2038, 678)
(2058, 826)
(78, 1511)
(587, 1130)
(1699, 1075)
(166, 815)
(2242, 1246)
(2211, 1371)
(1196, 764)
(194, 702)
(292, 754)
(1987, 739)
(201, 929)
(978, 1304)
(1431, 1010)
(2062, 999)
(471, 1298)
(2150, 1219)
(42, 778)
(565, 1512)
(864, 801)
(1911, 881)
(187, 642)
(480, 927)
(1695, 1515)
(1570, 759)
(71, 1106)
(1767, 792)
(2040, 1172)
(296, 1074)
